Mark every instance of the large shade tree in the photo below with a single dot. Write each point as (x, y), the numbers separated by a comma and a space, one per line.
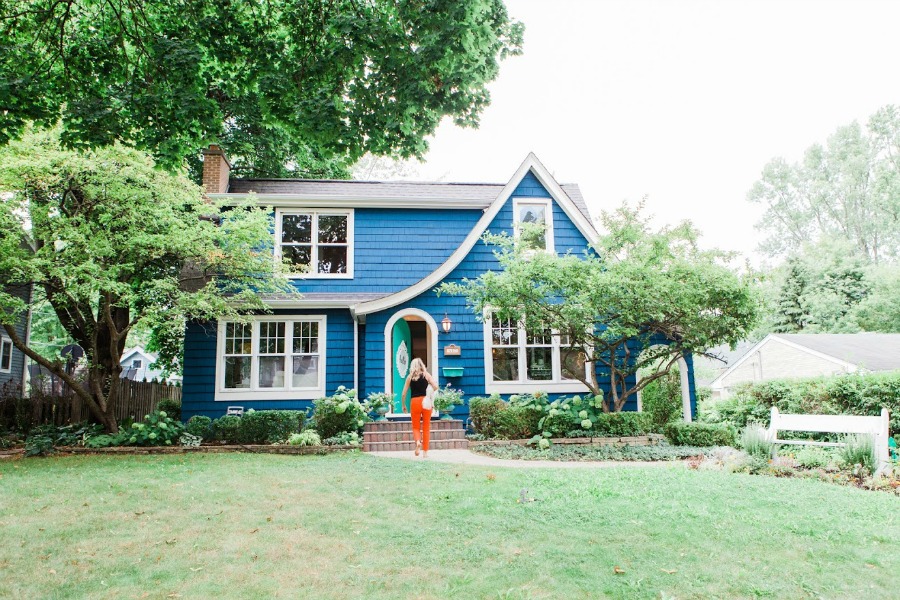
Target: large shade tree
(113, 242)
(288, 86)
(639, 301)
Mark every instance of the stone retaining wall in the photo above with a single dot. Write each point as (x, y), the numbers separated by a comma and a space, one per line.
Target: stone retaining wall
(651, 439)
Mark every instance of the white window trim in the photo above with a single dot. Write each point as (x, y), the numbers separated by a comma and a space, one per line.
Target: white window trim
(224, 394)
(349, 213)
(547, 203)
(4, 340)
(556, 385)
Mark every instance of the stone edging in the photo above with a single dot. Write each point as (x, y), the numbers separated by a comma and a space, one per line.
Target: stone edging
(651, 439)
(257, 449)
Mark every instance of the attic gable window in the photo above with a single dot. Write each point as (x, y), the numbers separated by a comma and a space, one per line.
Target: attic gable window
(534, 223)
(320, 242)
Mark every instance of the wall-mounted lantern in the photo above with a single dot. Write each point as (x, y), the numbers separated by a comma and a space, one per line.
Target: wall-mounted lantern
(446, 323)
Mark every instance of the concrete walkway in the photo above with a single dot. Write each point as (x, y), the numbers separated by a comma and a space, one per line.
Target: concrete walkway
(465, 457)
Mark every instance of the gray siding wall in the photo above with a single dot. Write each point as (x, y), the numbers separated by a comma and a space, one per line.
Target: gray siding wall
(14, 377)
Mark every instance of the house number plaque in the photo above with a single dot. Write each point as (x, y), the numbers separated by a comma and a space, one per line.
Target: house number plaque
(452, 350)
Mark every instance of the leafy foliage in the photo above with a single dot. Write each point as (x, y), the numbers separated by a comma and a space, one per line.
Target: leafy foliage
(158, 429)
(859, 453)
(114, 243)
(661, 399)
(200, 426)
(755, 442)
(337, 414)
(700, 434)
(642, 298)
(848, 188)
(571, 452)
(171, 407)
(851, 394)
(305, 438)
(268, 426)
(447, 397)
(286, 82)
(225, 428)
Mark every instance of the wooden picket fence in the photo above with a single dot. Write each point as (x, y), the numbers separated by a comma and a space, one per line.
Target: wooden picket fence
(138, 398)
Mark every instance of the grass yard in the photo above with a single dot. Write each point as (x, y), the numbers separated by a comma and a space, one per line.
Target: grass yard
(355, 526)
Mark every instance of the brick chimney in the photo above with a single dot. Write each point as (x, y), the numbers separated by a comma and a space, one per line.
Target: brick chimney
(215, 170)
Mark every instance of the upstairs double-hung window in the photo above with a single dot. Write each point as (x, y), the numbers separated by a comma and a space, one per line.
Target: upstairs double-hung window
(318, 242)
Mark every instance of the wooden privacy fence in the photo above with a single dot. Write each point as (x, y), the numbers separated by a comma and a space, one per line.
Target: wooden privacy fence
(137, 398)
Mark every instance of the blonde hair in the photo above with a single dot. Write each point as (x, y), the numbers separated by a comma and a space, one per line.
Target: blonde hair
(416, 369)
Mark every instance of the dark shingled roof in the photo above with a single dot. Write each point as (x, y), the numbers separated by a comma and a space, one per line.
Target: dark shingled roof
(388, 190)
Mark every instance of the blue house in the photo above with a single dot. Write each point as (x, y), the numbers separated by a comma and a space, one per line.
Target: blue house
(12, 361)
(375, 253)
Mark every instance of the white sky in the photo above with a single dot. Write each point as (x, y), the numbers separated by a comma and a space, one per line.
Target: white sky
(683, 101)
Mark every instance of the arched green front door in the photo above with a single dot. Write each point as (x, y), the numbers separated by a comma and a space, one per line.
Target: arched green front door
(401, 352)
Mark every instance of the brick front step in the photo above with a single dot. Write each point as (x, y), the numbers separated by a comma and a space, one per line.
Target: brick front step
(436, 424)
(395, 436)
(453, 444)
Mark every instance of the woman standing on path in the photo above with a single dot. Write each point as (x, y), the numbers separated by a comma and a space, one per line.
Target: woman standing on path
(417, 384)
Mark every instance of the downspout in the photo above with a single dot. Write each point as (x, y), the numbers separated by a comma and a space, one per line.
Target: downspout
(355, 349)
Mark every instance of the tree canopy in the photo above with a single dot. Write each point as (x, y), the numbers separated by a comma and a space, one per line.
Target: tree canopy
(639, 301)
(848, 189)
(113, 243)
(303, 84)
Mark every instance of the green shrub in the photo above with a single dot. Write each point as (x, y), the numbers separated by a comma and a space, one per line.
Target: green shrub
(157, 429)
(812, 457)
(516, 422)
(661, 399)
(622, 424)
(38, 445)
(348, 438)
(859, 451)
(755, 441)
(226, 428)
(200, 426)
(171, 407)
(337, 414)
(103, 441)
(268, 426)
(305, 438)
(700, 434)
(483, 414)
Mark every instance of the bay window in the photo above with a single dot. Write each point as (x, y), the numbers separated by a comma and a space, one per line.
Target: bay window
(271, 357)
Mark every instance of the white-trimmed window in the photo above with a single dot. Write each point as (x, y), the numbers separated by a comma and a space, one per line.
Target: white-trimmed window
(534, 211)
(271, 357)
(320, 241)
(524, 360)
(136, 363)
(6, 347)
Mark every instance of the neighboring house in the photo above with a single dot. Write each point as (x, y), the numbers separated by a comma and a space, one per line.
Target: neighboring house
(136, 364)
(797, 356)
(376, 252)
(12, 361)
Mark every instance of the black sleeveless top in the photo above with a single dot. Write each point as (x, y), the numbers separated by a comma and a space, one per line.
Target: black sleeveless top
(418, 387)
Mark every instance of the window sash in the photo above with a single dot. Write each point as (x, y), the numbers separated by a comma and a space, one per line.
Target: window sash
(314, 246)
(528, 349)
(6, 347)
(544, 208)
(272, 340)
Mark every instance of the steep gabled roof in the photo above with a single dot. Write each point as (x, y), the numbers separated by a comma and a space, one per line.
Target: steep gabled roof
(383, 193)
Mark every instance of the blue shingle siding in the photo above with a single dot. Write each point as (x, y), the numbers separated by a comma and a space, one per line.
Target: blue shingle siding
(468, 331)
(12, 382)
(198, 392)
(395, 248)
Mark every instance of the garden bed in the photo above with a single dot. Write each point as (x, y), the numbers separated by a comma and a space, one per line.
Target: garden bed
(212, 448)
(651, 439)
(597, 452)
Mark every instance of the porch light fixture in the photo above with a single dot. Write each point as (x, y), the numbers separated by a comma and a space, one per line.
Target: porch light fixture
(446, 323)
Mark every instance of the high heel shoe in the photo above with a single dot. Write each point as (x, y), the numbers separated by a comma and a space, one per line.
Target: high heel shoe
(418, 446)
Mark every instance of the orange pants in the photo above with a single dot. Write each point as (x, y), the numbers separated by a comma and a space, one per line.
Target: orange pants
(418, 416)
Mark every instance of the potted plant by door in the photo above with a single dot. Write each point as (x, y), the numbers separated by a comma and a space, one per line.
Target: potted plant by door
(379, 403)
(445, 399)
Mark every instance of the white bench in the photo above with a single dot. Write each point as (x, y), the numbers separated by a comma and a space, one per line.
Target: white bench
(874, 426)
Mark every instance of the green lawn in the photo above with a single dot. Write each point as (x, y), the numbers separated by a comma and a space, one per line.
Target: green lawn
(354, 526)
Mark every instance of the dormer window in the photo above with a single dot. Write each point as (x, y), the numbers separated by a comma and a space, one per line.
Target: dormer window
(319, 242)
(534, 224)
